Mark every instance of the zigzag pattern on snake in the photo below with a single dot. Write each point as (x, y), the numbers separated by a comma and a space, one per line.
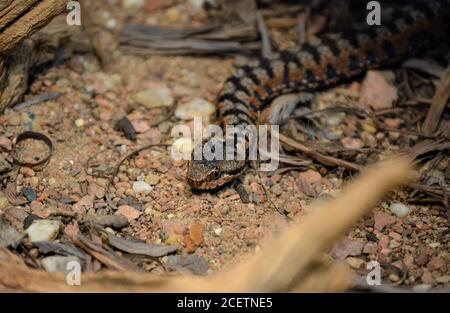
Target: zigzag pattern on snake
(333, 59)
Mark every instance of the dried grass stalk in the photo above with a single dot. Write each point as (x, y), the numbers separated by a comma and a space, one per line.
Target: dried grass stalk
(291, 262)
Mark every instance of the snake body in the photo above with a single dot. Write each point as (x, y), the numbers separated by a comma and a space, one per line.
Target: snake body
(332, 59)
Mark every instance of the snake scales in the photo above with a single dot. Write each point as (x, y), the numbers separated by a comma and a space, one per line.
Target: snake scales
(334, 58)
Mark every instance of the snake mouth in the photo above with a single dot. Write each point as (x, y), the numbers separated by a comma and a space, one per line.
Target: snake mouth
(210, 184)
(213, 179)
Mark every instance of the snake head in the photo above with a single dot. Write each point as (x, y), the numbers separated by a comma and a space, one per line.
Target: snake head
(213, 174)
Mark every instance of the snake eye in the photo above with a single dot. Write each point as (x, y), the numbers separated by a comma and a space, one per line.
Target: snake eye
(214, 174)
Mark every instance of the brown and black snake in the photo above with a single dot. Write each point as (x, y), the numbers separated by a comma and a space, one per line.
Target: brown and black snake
(332, 59)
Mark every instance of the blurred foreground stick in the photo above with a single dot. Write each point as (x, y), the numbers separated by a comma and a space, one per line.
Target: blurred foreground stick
(296, 265)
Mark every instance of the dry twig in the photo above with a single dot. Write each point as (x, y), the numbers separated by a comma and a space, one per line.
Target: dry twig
(437, 107)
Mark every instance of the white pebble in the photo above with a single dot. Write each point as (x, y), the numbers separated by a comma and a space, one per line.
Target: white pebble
(195, 108)
(141, 186)
(132, 4)
(197, 3)
(218, 231)
(399, 209)
(182, 148)
(155, 98)
(79, 122)
(57, 263)
(43, 230)
(111, 23)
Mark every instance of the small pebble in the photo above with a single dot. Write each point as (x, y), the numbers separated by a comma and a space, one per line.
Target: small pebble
(57, 263)
(5, 144)
(34, 252)
(152, 212)
(399, 209)
(182, 146)
(333, 135)
(29, 193)
(51, 181)
(155, 98)
(394, 244)
(310, 176)
(43, 230)
(79, 122)
(197, 3)
(173, 14)
(129, 212)
(190, 78)
(255, 198)
(369, 128)
(196, 108)
(132, 4)
(141, 186)
(5, 166)
(335, 119)
(125, 126)
(394, 278)
(4, 203)
(14, 120)
(355, 263)
(27, 172)
(352, 143)
(218, 231)
(152, 179)
(393, 122)
(276, 189)
(111, 23)
(102, 182)
(110, 230)
(100, 193)
(34, 182)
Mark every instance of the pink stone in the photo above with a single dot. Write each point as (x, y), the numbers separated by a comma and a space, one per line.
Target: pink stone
(310, 176)
(129, 212)
(382, 220)
(345, 248)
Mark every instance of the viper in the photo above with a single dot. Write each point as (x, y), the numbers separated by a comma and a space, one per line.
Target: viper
(332, 59)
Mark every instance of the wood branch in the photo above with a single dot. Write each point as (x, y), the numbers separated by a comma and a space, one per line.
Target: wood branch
(31, 53)
(29, 23)
(14, 10)
(2, 71)
(15, 83)
(424, 147)
(437, 107)
(4, 4)
(291, 262)
(103, 42)
(313, 153)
